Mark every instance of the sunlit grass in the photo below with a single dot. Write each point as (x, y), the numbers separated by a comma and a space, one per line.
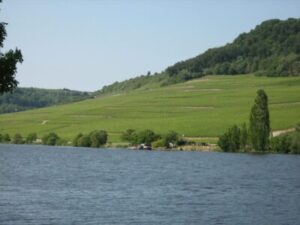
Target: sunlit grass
(200, 108)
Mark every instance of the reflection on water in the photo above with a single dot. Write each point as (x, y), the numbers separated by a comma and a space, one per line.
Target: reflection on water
(47, 185)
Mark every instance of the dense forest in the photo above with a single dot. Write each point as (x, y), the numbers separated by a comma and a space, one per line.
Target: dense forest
(29, 98)
(271, 49)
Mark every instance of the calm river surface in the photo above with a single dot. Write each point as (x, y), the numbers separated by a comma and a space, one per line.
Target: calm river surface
(49, 185)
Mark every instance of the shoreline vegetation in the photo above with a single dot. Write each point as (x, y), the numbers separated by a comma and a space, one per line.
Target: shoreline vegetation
(254, 138)
(279, 144)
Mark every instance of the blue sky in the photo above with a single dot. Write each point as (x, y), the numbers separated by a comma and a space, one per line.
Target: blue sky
(86, 44)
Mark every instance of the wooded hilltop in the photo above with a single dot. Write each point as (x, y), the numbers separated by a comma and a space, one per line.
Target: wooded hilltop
(271, 49)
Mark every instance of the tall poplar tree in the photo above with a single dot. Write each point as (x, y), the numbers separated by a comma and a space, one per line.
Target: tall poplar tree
(260, 122)
(8, 64)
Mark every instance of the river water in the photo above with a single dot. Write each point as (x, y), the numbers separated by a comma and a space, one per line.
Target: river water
(64, 185)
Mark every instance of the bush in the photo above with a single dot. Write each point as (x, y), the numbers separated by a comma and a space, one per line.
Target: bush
(286, 143)
(75, 140)
(98, 138)
(230, 140)
(281, 144)
(131, 136)
(170, 139)
(31, 138)
(6, 138)
(62, 142)
(295, 147)
(181, 142)
(94, 139)
(84, 141)
(158, 143)
(147, 137)
(17, 139)
(50, 139)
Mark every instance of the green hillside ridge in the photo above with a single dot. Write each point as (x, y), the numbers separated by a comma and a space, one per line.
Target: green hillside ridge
(203, 107)
(271, 49)
(29, 98)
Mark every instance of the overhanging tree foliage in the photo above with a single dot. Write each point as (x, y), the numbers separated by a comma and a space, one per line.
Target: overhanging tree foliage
(8, 64)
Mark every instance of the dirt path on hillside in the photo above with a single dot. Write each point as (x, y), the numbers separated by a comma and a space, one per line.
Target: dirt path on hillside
(279, 132)
(44, 122)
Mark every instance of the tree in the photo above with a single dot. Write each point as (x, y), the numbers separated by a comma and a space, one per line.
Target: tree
(17, 139)
(50, 139)
(31, 138)
(130, 135)
(8, 64)
(6, 138)
(75, 140)
(170, 139)
(147, 137)
(260, 122)
(230, 141)
(244, 136)
(84, 141)
(98, 138)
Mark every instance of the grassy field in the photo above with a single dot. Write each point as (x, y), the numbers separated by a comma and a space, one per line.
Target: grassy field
(203, 108)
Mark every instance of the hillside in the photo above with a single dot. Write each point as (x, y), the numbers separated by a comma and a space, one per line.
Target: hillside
(203, 107)
(29, 98)
(271, 49)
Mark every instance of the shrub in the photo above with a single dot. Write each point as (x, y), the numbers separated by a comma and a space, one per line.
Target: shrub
(98, 138)
(131, 136)
(17, 139)
(6, 138)
(84, 141)
(181, 142)
(170, 138)
(287, 143)
(295, 147)
(62, 142)
(281, 144)
(147, 137)
(75, 140)
(230, 140)
(158, 143)
(50, 139)
(31, 138)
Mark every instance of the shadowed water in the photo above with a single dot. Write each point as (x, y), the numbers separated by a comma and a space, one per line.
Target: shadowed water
(50, 185)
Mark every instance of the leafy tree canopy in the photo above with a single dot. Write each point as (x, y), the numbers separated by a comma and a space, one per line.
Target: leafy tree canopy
(271, 49)
(8, 64)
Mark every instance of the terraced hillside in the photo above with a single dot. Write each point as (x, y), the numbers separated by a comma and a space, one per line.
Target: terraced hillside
(204, 107)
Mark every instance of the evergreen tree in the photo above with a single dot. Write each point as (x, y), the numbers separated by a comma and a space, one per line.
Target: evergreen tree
(260, 122)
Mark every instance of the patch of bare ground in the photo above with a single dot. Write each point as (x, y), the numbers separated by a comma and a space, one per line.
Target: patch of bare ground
(44, 122)
(279, 132)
